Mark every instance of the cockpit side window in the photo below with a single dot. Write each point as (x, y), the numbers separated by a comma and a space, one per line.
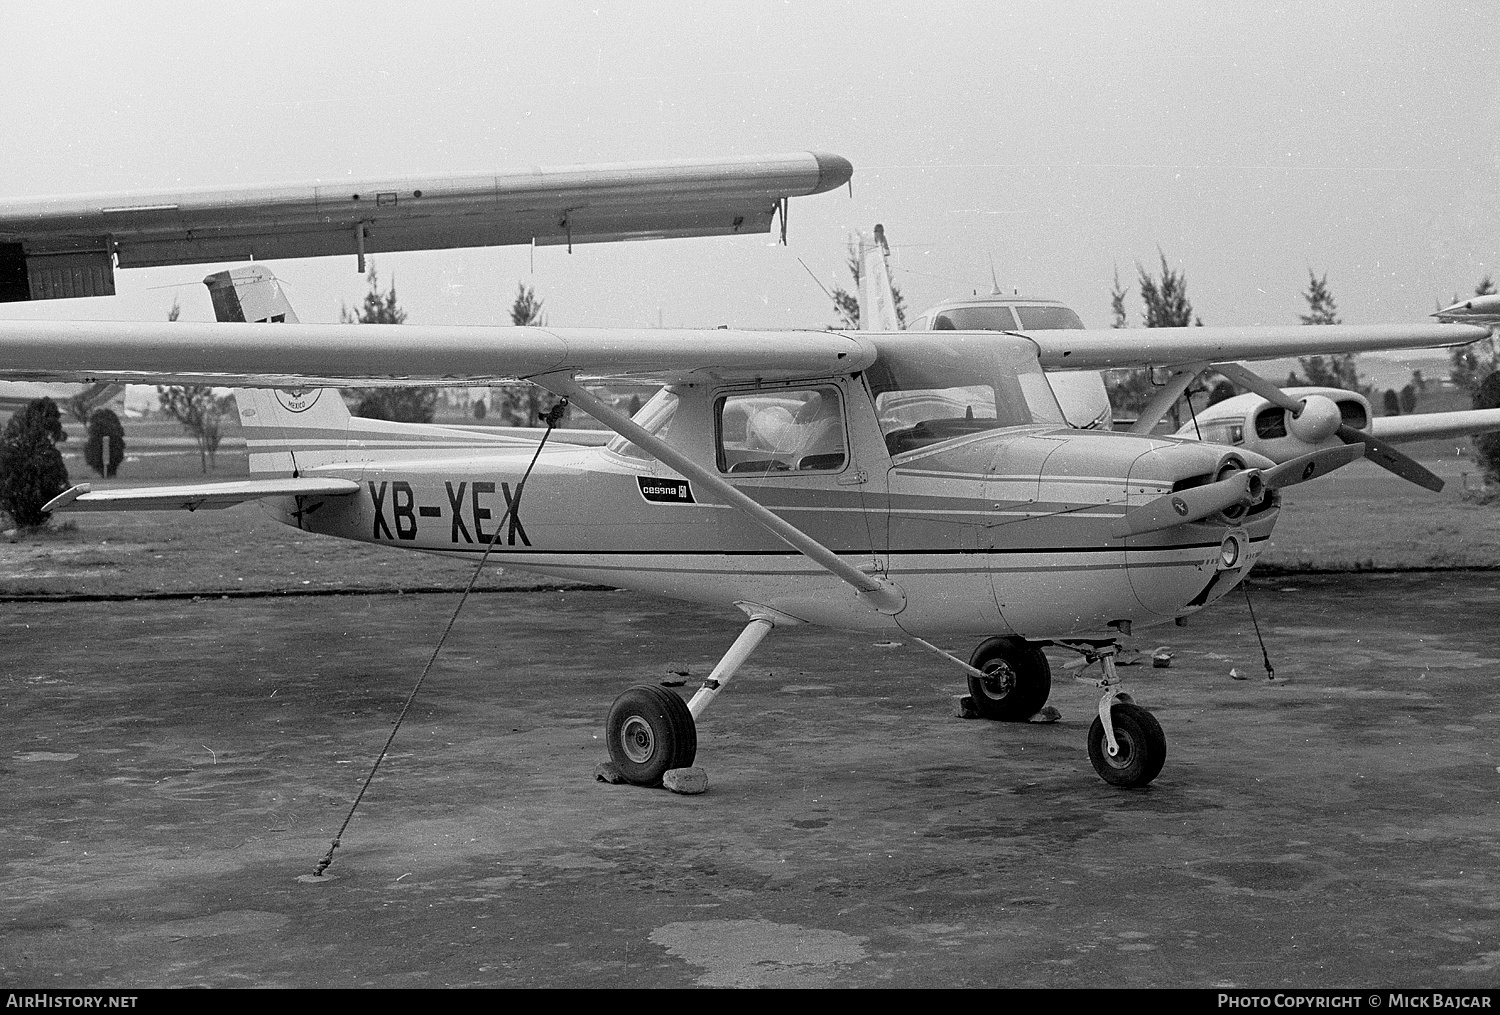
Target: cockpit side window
(781, 431)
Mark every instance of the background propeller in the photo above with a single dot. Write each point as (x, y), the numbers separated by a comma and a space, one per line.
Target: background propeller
(1376, 450)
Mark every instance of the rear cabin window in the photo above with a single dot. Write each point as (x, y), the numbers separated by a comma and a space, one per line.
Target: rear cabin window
(782, 431)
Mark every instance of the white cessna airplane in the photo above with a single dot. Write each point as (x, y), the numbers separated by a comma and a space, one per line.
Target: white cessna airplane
(925, 484)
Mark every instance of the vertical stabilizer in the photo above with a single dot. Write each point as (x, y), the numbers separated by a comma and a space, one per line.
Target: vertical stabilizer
(288, 430)
(877, 305)
(249, 293)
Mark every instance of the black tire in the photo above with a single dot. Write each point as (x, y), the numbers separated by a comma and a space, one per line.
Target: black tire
(650, 731)
(1143, 747)
(1017, 679)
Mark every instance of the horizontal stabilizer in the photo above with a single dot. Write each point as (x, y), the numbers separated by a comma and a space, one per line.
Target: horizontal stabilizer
(193, 496)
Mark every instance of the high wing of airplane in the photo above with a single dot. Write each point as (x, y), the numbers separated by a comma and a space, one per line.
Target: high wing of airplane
(925, 485)
(61, 247)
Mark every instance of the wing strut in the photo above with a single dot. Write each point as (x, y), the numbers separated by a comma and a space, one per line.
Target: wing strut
(1167, 396)
(879, 593)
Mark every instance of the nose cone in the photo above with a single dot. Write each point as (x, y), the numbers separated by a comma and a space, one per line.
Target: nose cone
(1478, 306)
(833, 171)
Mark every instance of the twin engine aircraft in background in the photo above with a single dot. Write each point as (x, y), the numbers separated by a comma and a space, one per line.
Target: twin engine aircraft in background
(921, 485)
(1278, 423)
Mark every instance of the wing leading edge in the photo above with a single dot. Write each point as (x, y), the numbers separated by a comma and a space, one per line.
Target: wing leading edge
(1102, 349)
(338, 355)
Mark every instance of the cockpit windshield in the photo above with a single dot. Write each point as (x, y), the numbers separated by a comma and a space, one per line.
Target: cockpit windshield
(1002, 317)
(1048, 318)
(975, 319)
(935, 389)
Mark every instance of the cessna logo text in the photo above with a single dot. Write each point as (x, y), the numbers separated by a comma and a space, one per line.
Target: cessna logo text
(666, 491)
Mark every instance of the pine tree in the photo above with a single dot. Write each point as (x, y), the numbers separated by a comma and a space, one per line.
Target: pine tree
(1473, 363)
(1166, 306)
(406, 405)
(522, 403)
(1166, 299)
(1117, 302)
(1338, 371)
(31, 468)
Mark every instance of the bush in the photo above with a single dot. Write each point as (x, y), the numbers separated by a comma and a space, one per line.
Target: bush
(1487, 445)
(105, 429)
(31, 467)
(402, 405)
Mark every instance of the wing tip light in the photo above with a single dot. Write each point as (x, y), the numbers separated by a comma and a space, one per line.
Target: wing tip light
(833, 171)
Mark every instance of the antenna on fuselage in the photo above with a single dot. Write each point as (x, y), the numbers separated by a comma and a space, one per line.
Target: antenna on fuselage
(994, 281)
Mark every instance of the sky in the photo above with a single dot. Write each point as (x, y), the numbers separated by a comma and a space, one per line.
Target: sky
(1061, 142)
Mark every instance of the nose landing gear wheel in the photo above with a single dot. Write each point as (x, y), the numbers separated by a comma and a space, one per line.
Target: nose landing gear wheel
(650, 731)
(1017, 679)
(1143, 747)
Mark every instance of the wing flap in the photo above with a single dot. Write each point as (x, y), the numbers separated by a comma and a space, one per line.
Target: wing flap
(194, 496)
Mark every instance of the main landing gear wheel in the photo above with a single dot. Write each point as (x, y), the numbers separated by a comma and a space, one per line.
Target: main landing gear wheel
(1017, 679)
(650, 731)
(1143, 747)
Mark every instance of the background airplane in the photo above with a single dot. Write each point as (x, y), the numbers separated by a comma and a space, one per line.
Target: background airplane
(1281, 424)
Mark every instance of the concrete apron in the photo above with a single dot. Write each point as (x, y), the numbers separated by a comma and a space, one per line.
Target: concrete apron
(170, 768)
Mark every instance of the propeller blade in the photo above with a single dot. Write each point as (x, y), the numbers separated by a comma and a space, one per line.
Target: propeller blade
(1311, 466)
(1388, 458)
(1190, 505)
(1247, 378)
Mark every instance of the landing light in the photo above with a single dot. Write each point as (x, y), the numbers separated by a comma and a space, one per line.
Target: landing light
(1229, 551)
